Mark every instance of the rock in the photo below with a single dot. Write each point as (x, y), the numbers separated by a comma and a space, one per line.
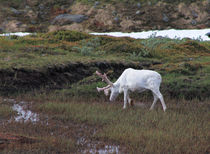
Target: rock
(126, 24)
(41, 7)
(116, 19)
(208, 34)
(1, 30)
(137, 12)
(193, 22)
(114, 13)
(194, 14)
(15, 12)
(31, 14)
(33, 22)
(32, 2)
(139, 5)
(14, 26)
(27, 7)
(65, 19)
(97, 3)
(165, 18)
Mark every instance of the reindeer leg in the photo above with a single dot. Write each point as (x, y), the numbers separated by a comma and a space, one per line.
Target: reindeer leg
(125, 98)
(154, 102)
(162, 101)
(130, 101)
(160, 96)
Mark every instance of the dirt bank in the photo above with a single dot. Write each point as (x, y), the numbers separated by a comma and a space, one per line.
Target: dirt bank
(55, 76)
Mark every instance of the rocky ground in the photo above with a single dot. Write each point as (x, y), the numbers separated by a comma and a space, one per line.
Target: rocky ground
(49, 15)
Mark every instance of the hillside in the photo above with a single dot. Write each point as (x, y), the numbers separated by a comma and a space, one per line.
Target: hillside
(56, 59)
(101, 16)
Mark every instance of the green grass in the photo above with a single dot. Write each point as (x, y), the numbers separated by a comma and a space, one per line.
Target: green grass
(75, 46)
(5, 110)
(182, 129)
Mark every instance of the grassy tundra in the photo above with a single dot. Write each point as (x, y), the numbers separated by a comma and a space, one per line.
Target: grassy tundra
(55, 72)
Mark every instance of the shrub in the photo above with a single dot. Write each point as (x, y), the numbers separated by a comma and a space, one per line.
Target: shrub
(194, 46)
(66, 35)
(88, 47)
(124, 46)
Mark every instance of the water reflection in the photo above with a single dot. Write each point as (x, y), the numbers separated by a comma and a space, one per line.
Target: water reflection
(24, 115)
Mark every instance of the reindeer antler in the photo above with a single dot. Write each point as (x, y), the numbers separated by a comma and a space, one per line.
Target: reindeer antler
(104, 78)
(105, 89)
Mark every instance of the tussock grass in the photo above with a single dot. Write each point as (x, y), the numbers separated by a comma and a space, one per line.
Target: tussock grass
(182, 129)
(5, 110)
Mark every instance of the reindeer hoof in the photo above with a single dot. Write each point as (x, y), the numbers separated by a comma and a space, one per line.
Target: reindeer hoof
(131, 103)
(164, 109)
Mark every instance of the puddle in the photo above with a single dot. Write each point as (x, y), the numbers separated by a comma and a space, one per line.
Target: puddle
(23, 114)
(106, 149)
(98, 147)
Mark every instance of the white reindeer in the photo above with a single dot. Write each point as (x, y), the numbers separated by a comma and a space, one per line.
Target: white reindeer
(134, 80)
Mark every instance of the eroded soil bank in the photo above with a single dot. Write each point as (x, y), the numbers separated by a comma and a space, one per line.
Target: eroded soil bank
(64, 76)
(57, 76)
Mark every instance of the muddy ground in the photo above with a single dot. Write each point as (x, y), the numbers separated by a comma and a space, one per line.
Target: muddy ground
(15, 133)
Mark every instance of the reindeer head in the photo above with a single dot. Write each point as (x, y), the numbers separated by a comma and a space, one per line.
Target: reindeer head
(110, 87)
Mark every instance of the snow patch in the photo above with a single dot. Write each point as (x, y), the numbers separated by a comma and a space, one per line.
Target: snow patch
(17, 34)
(196, 34)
